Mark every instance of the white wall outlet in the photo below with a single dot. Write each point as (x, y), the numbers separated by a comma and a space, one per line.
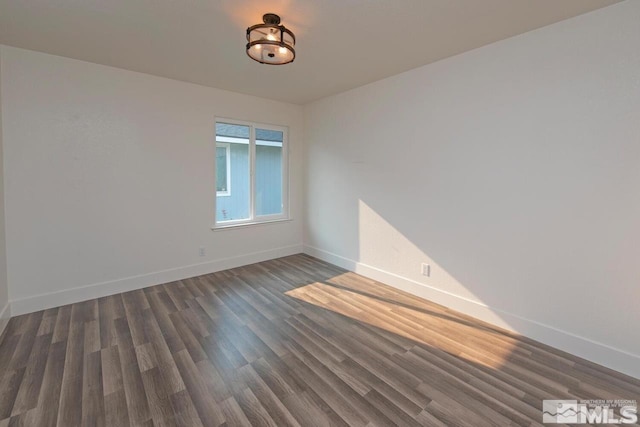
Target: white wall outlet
(426, 270)
(202, 252)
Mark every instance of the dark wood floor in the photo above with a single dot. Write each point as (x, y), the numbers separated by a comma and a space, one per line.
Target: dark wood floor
(292, 341)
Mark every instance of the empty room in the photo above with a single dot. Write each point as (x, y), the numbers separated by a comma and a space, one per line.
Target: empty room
(319, 213)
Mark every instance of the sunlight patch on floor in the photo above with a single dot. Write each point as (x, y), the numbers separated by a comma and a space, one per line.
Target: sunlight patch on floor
(412, 318)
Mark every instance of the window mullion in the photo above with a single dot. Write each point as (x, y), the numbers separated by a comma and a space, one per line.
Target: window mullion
(252, 171)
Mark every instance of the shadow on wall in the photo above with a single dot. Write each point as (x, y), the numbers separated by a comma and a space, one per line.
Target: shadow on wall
(492, 263)
(383, 246)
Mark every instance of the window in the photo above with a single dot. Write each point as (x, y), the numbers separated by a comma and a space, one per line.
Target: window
(251, 159)
(223, 170)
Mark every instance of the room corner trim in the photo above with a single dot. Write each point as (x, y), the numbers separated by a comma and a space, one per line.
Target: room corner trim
(586, 348)
(5, 314)
(98, 290)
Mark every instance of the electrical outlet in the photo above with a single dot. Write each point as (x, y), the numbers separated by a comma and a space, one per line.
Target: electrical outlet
(202, 252)
(426, 270)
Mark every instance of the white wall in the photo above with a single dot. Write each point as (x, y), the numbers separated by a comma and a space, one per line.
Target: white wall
(109, 179)
(513, 169)
(5, 311)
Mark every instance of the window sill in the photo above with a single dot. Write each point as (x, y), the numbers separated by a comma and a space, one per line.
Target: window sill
(223, 227)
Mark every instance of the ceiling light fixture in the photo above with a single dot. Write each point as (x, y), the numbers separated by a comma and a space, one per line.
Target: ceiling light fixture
(271, 43)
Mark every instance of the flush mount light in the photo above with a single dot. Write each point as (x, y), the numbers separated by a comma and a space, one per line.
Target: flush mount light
(271, 43)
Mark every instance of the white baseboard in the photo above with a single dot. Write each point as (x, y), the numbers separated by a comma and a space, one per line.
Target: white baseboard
(5, 315)
(594, 351)
(97, 290)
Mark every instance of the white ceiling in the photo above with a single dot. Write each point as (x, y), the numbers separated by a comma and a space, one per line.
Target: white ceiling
(341, 44)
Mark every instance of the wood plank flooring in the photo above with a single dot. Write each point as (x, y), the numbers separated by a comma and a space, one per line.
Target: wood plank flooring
(288, 342)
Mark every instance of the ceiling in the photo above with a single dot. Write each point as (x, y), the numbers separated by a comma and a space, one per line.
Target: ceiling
(341, 44)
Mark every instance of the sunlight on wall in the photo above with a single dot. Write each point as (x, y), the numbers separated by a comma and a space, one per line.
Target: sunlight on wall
(383, 246)
(386, 248)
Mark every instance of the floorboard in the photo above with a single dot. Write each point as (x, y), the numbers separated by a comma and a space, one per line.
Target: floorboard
(288, 342)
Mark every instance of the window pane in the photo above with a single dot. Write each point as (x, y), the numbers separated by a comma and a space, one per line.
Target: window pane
(268, 172)
(234, 205)
(221, 169)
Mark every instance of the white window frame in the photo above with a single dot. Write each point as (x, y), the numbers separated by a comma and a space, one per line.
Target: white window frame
(227, 146)
(253, 218)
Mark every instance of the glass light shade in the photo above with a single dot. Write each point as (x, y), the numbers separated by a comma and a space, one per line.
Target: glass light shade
(271, 43)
